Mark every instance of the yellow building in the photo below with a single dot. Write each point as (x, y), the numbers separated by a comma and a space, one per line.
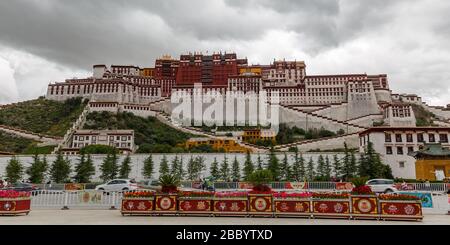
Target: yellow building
(255, 70)
(253, 135)
(432, 162)
(228, 145)
(147, 72)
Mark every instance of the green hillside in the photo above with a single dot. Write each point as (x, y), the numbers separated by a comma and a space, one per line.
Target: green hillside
(151, 135)
(43, 116)
(15, 144)
(423, 117)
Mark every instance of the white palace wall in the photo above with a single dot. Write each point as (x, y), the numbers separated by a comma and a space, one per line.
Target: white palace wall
(137, 161)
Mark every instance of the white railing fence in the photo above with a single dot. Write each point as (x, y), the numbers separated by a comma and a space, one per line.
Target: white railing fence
(75, 199)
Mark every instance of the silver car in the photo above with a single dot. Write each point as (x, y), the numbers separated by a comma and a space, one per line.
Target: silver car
(382, 185)
(118, 185)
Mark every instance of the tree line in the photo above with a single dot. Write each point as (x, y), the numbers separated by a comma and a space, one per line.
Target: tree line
(325, 168)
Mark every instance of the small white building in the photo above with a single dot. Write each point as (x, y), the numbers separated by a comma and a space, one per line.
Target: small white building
(121, 139)
(394, 144)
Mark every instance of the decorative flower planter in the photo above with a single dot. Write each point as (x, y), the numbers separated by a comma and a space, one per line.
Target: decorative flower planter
(333, 208)
(260, 204)
(401, 209)
(137, 205)
(15, 206)
(195, 205)
(292, 206)
(365, 206)
(166, 204)
(230, 206)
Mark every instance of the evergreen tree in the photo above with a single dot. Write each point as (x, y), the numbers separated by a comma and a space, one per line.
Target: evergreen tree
(327, 169)
(164, 166)
(214, 169)
(125, 167)
(285, 169)
(180, 172)
(337, 168)
(109, 167)
(199, 166)
(60, 170)
(14, 170)
(148, 168)
(248, 166)
(371, 166)
(225, 170)
(235, 170)
(273, 165)
(353, 165)
(191, 169)
(84, 169)
(174, 166)
(346, 172)
(321, 167)
(37, 169)
(296, 166)
(310, 173)
(259, 163)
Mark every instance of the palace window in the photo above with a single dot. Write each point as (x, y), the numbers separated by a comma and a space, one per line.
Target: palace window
(388, 150)
(431, 138)
(410, 149)
(409, 138)
(387, 137)
(398, 138)
(401, 164)
(399, 150)
(443, 138)
(420, 137)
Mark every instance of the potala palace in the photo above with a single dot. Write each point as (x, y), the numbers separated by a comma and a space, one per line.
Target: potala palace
(361, 105)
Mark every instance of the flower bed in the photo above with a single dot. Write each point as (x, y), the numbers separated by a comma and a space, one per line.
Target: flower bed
(166, 203)
(400, 207)
(260, 203)
(14, 202)
(365, 206)
(230, 203)
(364, 202)
(292, 204)
(331, 204)
(137, 202)
(192, 202)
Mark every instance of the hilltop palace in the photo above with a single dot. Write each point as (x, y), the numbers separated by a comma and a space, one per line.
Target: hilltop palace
(350, 103)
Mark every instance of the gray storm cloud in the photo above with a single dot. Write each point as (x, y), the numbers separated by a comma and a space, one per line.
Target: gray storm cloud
(409, 40)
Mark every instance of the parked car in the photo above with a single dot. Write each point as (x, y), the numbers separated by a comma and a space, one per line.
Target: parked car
(152, 184)
(382, 185)
(118, 185)
(23, 187)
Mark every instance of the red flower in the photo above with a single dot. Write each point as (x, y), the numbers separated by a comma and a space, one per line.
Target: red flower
(138, 194)
(330, 195)
(398, 197)
(13, 194)
(362, 190)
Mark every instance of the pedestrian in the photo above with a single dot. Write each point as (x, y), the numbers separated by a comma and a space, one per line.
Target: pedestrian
(404, 186)
(1, 183)
(427, 185)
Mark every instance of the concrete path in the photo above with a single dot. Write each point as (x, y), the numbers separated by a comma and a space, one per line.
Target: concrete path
(113, 217)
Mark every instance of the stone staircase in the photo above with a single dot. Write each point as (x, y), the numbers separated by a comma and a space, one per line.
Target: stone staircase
(45, 139)
(331, 120)
(78, 124)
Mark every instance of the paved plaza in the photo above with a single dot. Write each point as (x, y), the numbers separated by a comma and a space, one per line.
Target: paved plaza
(113, 217)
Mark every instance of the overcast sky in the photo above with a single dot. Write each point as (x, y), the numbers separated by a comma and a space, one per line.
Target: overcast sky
(44, 41)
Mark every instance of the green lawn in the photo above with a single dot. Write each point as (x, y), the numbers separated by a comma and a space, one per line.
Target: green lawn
(43, 116)
(151, 135)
